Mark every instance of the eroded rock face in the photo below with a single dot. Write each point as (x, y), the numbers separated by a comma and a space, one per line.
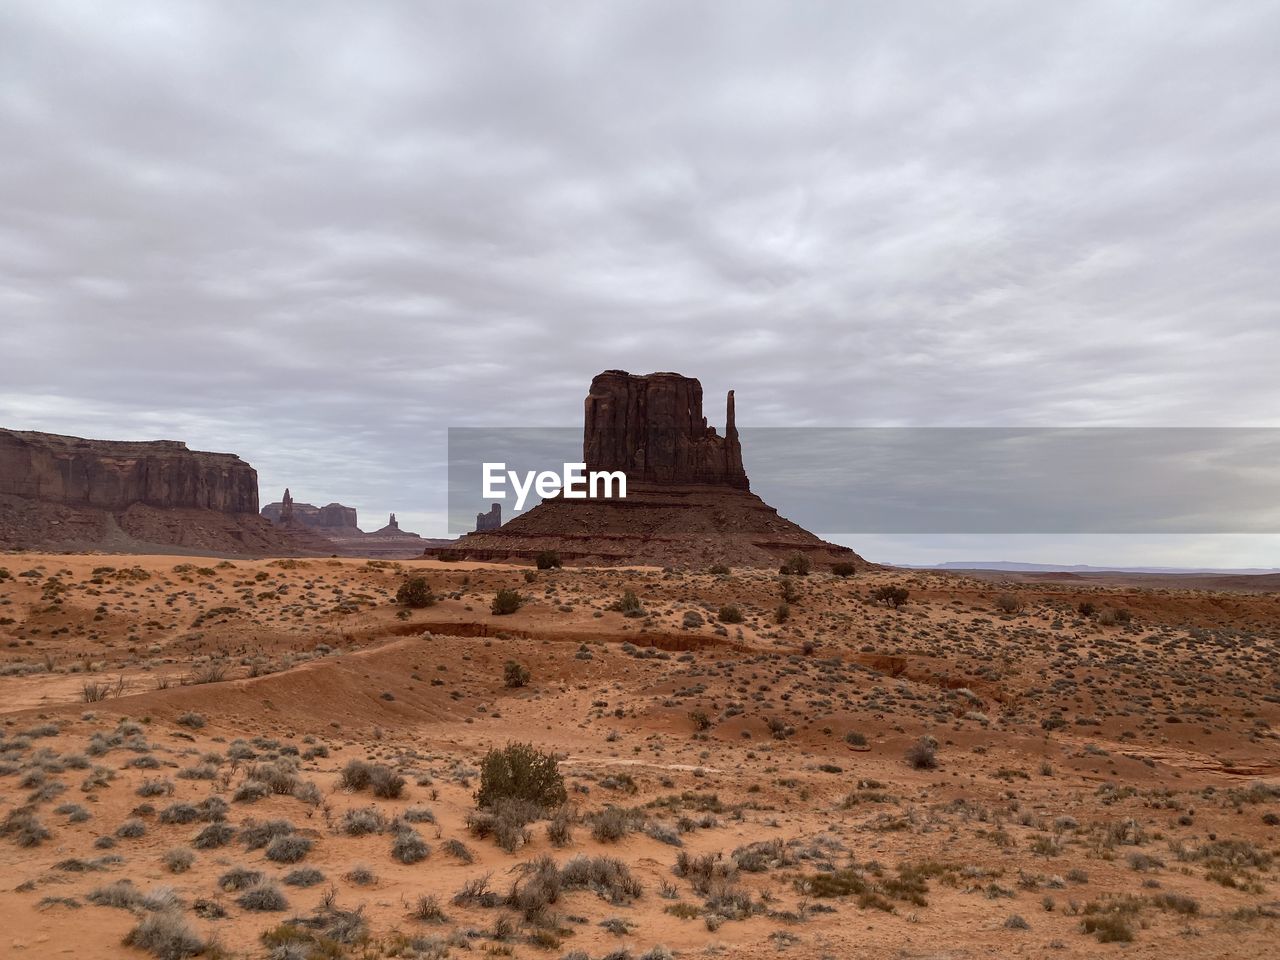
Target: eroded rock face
(116, 474)
(652, 428)
(491, 520)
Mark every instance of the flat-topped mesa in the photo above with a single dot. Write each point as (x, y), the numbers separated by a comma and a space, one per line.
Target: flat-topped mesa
(652, 428)
(115, 474)
(332, 516)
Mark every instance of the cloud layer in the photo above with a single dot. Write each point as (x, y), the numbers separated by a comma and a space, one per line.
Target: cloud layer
(317, 234)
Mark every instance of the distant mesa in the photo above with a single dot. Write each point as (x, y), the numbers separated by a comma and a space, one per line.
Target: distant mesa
(60, 492)
(688, 503)
(332, 516)
(336, 526)
(491, 520)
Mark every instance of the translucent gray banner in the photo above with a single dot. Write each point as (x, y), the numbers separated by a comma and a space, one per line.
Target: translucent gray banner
(945, 480)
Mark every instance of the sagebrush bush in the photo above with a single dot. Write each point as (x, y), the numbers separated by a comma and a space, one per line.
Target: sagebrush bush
(730, 613)
(355, 774)
(628, 605)
(239, 878)
(515, 675)
(289, 848)
(612, 824)
(386, 783)
(560, 828)
(408, 847)
(458, 850)
(610, 879)
(213, 836)
(362, 821)
(24, 828)
(131, 829)
(122, 895)
(165, 934)
(264, 896)
(178, 860)
(255, 835)
(923, 754)
(182, 813)
(427, 909)
(303, 877)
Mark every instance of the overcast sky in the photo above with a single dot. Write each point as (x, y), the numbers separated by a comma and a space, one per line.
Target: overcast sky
(317, 234)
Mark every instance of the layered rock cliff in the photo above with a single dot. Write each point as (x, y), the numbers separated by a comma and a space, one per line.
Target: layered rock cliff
(151, 496)
(652, 428)
(115, 474)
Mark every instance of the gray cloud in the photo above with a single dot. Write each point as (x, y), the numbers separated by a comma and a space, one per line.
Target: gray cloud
(318, 234)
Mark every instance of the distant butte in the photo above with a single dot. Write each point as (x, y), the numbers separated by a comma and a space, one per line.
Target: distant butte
(334, 526)
(688, 504)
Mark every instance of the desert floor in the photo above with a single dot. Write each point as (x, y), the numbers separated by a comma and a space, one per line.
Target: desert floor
(174, 733)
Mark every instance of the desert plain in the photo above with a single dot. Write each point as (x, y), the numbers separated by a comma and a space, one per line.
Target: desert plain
(276, 758)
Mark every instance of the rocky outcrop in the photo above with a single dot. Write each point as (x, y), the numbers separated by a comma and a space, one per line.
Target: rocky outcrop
(688, 499)
(652, 428)
(491, 520)
(115, 474)
(155, 496)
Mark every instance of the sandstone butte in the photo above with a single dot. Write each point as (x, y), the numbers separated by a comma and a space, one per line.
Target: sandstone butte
(689, 501)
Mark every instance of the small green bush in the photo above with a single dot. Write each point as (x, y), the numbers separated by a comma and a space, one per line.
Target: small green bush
(629, 605)
(515, 675)
(519, 771)
(891, 596)
(730, 613)
(1009, 603)
(416, 593)
(797, 564)
(505, 601)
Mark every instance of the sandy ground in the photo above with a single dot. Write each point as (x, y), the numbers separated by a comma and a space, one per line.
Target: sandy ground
(1111, 775)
